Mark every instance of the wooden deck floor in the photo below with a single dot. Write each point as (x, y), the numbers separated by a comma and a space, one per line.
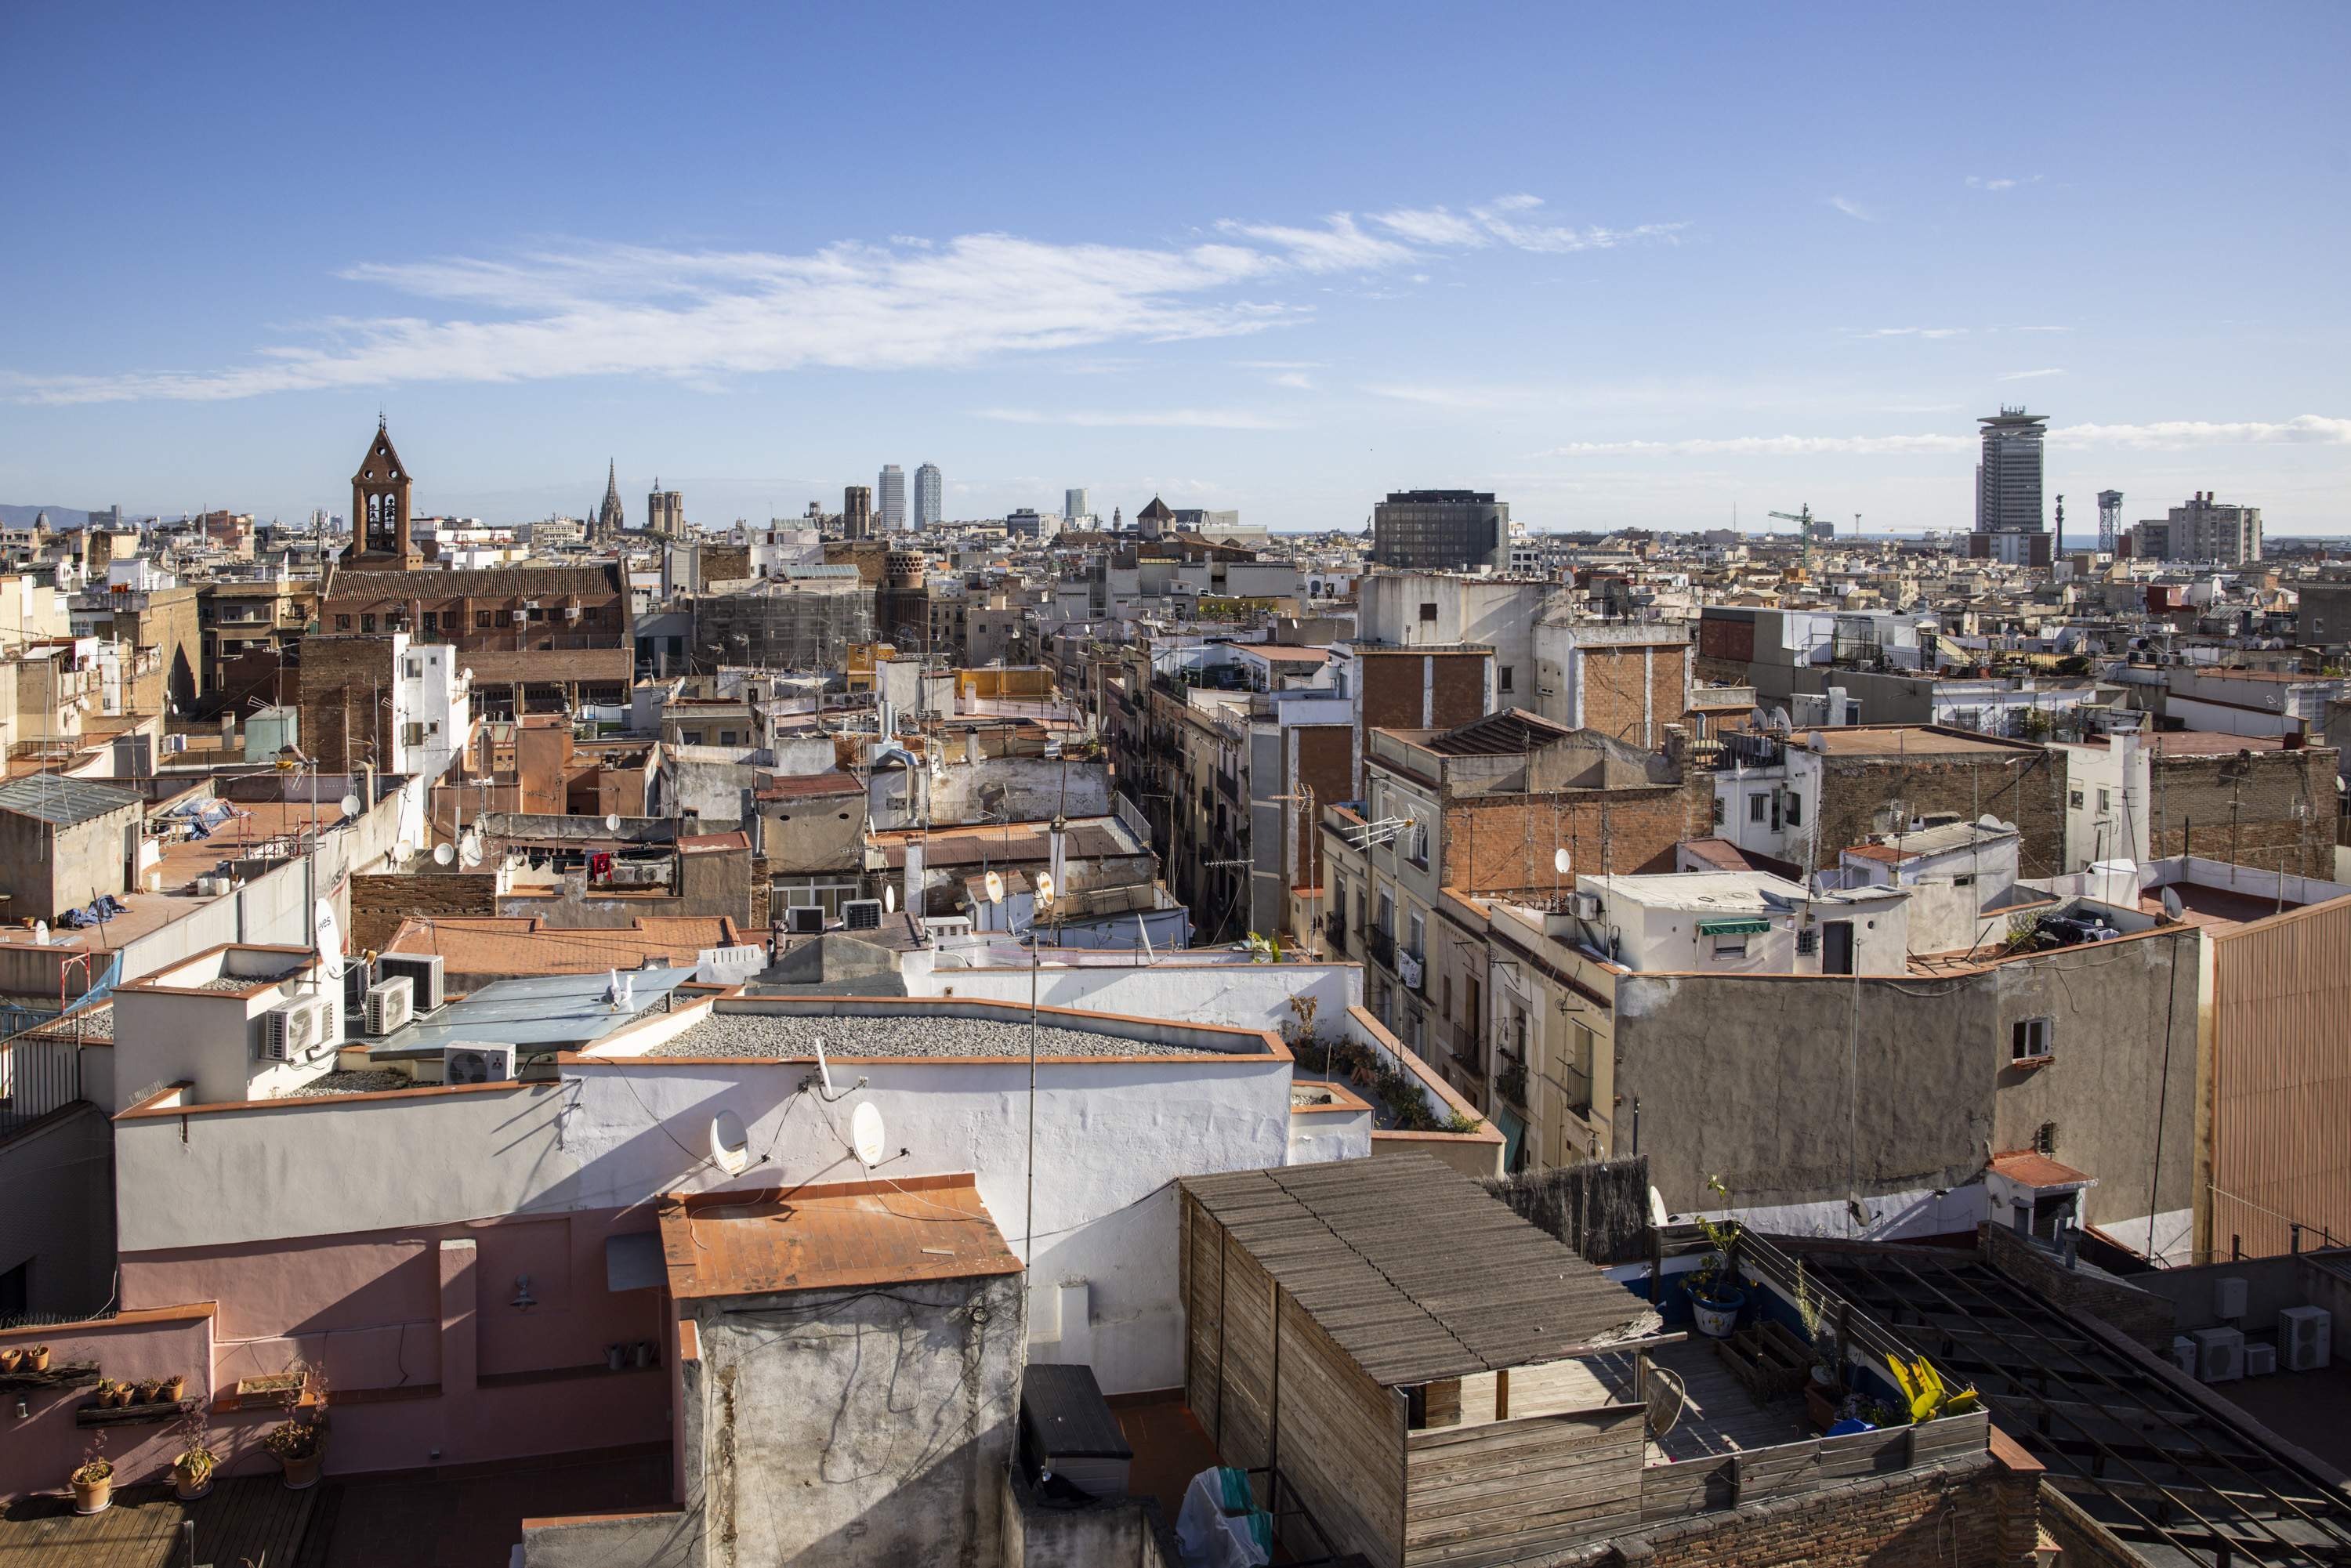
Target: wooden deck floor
(250, 1518)
(1720, 1417)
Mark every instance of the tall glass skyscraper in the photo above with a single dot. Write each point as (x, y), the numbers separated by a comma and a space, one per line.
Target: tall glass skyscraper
(1075, 507)
(930, 496)
(2011, 525)
(890, 498)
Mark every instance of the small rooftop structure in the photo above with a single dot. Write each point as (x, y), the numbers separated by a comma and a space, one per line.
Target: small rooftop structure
(64, 802)
(837, 1237)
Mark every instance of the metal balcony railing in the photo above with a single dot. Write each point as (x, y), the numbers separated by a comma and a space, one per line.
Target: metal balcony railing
(1381, 946)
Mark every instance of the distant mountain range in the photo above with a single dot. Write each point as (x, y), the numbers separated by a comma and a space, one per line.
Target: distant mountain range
(59, 516)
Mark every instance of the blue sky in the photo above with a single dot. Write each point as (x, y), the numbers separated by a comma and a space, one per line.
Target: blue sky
(1625, 266)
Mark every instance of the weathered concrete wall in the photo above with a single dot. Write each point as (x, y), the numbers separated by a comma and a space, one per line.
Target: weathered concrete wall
(2264, 809)
(856, 1428)
(1111, 1532)
(2026, 787)
(58, 1175)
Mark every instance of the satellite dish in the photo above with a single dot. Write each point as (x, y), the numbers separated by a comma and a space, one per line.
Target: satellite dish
(469, 850)
(613, 821)
(865, 1133)
(995, 887)
(348, 805)
(444, 855)
(1045, 887)
(890, 900)
(1559, 861)
(328, 934)
(2172, 908)
(467, 675)
(730, 1144)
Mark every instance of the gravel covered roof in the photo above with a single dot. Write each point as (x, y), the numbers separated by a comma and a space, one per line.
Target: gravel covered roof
(793, 1035)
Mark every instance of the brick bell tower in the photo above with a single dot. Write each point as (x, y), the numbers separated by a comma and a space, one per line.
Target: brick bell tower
(379, 506)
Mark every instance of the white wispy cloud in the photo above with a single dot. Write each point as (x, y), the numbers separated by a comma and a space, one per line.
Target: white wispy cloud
(1297, 380)
(1140, 419)
(1917, 332)
(1851, 208)
(2307, 430)
(2028, 375)
(702, 317)
(2000, 181)
(1509, 221)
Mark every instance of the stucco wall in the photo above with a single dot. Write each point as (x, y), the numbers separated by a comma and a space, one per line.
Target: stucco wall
(859, 1428)
(58, 1211)
(1248, 995)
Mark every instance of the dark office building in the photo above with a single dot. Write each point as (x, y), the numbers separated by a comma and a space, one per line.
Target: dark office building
(1440, 530)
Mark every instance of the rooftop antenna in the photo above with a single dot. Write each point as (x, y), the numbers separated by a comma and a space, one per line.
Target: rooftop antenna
(823, 1077)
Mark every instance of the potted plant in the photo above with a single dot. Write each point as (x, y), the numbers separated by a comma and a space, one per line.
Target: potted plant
(151, 1392)
(10, 1355)
(37, 1359)
(1715, 1296)
(176, 1387)
(192, 1468)
(300, 1441)
(1826, 1380)
(93, 1479)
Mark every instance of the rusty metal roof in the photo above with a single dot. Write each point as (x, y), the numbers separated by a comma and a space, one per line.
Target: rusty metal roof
(835, 1237)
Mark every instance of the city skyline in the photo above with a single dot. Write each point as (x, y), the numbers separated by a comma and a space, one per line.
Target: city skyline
(1726, 307)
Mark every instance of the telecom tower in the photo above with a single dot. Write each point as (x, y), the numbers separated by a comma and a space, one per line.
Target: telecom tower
(2110, 519)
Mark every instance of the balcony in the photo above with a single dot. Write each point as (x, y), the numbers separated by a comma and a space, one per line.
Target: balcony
(1510, 1078)
(1334, 930)
(1381, 946)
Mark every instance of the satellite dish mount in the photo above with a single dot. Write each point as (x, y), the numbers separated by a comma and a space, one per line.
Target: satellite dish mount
(822, 1080)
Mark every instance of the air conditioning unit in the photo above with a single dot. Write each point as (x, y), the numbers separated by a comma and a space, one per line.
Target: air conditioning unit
(389, 1004)
(2219, 1354)
(805, 919)
(2228, 1297)
(300, 1030)
(476, 1061)
(2183, 1353)
(423, 972)
(173, 743)
(2260, 1360)
(861, 914)
(1587, 906)
(2306, 1336)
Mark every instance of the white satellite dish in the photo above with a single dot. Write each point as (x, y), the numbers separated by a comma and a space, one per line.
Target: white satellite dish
(1559, 862)
(348, 805)
(444, 855)
(866, 1133)
(890, 899)
(613, 821)
(467, 675)
(730, 1144)
(995, 887)
(1044, 887)
(2172, 908)
(328, 935)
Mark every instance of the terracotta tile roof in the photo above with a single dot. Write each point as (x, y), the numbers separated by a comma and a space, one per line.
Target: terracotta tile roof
(2029, 1168)
(527, 944)
(830, 1238)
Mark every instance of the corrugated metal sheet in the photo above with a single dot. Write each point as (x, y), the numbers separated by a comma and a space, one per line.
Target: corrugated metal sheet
(2282, 1079)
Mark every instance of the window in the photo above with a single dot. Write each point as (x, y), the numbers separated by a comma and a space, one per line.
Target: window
(1506, 677)
(481, 620)
(1428, 611)
(1718, 810)
(1795, 810)
(1388, 915)
(1730, 946)
(2028, 1041)
(1758, 808)
(2044, 1139)
(2106, 800)
(415, 668)
(2074, 799)
(726, 737)
(1419, 931)
(1445, 998)
(342, 623)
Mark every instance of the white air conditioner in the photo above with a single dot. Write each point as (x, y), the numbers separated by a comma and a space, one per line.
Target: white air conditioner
(2228, 1297)
(1587, 906)
(173, 743)
(861, 914)
(2219, 1354)
(2260, 1360)
(2183, 1353)
(423, 972)
(389, 1004)
(805, 919)
(476, 1061)
(2306, 1337)
(298, 1031)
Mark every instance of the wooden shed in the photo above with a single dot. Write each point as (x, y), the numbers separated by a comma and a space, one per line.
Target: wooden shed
(1401, 1349)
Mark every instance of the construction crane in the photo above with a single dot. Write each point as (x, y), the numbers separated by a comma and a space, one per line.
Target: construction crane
(1802, 518)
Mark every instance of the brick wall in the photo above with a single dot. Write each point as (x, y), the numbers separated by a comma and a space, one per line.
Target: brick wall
(1393, 683)
(2141, 1315)
(1325, 764)
(1978, 1513)
(2027, 788)
(379, 903)
(1503, 843)
(2243, 810)
(341, 679)
(1614, 678)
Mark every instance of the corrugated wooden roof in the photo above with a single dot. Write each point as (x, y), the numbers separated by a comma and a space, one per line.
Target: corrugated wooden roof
(1414, 1271)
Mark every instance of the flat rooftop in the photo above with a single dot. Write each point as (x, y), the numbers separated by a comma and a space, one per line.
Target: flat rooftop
(839, 1237)
(755, 1028)
(527, 944)
(1903, 740)
(1723, 892)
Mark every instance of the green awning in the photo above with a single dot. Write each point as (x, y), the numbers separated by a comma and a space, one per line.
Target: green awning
(1733, 927)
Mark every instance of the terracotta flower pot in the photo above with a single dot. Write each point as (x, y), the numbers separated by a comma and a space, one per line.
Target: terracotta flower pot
(9, 1358)
(176, 1387)
(303, 1474)
(188, 1488)
(37, 1358)
(149, 1393)
(93, 1497)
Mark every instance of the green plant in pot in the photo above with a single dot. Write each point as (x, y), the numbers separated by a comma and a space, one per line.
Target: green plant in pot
(194, 1467)
(93, 1479)
(299, 1442)
(1715, 1294)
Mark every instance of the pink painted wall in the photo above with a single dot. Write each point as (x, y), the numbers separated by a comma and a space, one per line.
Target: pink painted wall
(38, 1453)
(416, 1331)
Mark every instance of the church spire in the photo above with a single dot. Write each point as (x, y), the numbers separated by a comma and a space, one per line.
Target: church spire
(609, 520)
